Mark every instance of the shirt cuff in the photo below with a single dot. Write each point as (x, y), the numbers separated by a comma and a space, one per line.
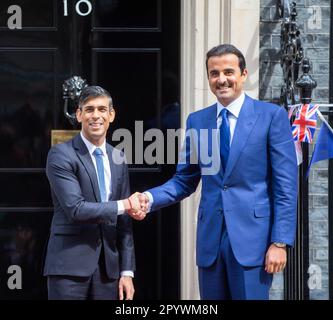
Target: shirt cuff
(151, 200)
(121, 208)
(127, 273)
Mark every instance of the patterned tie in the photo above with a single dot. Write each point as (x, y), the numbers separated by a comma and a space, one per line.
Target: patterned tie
(98, 154)
(224, 138)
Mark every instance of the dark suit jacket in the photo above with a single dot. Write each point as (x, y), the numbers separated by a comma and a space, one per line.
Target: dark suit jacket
(82, 225)
(255, 197)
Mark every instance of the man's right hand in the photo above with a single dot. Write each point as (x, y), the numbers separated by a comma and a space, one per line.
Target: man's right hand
(136, 205)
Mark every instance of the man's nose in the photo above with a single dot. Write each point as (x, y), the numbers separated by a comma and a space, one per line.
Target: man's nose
(222, 78)
(96, 113)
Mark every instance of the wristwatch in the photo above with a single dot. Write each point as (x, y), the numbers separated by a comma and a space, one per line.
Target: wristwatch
(279, 244)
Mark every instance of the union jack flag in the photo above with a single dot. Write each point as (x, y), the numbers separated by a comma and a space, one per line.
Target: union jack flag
(305, 123)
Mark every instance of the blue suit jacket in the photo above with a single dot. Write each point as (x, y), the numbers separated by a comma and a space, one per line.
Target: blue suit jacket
(257, 193)
(81, 223)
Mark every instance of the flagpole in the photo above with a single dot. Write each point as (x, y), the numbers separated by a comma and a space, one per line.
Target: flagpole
(322, 118)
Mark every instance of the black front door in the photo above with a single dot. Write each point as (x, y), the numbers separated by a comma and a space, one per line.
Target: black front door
(132, 49)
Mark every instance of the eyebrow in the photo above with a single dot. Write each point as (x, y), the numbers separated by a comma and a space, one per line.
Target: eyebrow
(88, 106)
(224, 70)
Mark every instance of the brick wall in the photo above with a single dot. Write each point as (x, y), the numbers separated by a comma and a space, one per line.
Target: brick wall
(314, 22)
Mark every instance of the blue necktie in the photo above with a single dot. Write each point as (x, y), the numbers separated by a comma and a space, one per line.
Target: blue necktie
(224, 138)
(98, 154)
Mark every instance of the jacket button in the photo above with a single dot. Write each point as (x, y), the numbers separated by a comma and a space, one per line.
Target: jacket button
(225, 188)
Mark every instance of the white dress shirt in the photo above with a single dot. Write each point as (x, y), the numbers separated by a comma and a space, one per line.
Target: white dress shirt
(107, 172)
(107, 175)
(234, 109)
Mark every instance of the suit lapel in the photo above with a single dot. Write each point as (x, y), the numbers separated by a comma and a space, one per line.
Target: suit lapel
(114, 171)
(209, 123)
(245, 124)
(83, 154)
(210, 140)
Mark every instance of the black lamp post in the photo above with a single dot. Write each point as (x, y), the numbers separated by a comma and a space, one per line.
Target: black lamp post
(305, 83)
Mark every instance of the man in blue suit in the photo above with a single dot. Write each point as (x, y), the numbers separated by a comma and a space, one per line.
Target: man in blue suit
(247, 211)
(90, 253)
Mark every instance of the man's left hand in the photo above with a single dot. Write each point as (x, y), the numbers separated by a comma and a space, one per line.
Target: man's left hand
(126, 286)
(276, 259)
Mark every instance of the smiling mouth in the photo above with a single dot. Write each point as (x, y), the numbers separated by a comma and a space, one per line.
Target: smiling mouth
(224, 88)
(95, 125)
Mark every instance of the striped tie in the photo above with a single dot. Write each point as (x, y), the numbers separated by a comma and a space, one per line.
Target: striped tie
(98, 154)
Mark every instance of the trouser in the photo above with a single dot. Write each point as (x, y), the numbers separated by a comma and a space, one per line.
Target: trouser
(226, 279)
(95, 287)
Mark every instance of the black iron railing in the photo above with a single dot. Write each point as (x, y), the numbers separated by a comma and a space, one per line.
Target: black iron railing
(296, 89)
(330, 171)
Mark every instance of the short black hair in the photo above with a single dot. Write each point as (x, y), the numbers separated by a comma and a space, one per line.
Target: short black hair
(223, 49)
(94, 92)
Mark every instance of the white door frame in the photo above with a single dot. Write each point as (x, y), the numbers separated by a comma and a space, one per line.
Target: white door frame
(205, 24)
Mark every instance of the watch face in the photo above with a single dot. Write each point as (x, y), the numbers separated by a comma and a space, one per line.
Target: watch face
(279, 244)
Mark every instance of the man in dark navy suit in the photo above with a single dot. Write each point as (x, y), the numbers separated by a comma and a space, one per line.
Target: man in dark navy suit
(90, 253)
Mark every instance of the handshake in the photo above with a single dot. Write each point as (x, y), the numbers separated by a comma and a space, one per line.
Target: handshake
(137, 205)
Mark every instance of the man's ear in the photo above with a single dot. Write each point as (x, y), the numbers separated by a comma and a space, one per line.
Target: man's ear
(79, 115)
(112, 115)
(245, 73)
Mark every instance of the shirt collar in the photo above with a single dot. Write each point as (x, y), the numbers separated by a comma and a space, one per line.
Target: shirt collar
(91, 147)
(234, 107)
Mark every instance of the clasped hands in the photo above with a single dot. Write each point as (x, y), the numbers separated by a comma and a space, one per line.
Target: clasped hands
(137, 205)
